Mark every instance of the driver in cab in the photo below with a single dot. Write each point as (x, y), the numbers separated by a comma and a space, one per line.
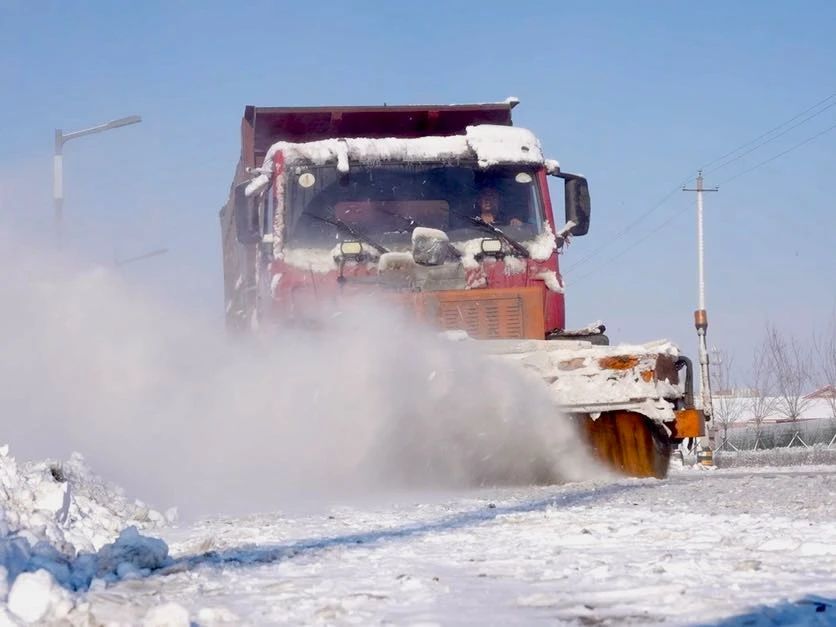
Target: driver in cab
(487, 206)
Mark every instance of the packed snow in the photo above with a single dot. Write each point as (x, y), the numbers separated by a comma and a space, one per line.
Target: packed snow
(721, 547)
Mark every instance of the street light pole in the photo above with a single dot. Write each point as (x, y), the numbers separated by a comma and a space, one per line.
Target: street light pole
(58, 184)
(152, 253)
(62, 138)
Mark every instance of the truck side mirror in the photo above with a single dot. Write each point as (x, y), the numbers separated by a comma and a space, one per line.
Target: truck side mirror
(245, 212)
(578, 207)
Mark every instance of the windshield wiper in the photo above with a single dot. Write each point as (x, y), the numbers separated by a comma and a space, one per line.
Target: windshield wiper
(410, 221)
(478, 221)
(346, 228)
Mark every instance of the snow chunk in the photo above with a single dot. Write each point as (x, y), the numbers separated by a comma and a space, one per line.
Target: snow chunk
(818, 549)
(552, 166)
(214, 615)
(780, 544)
(35, 597)
(430, 246)
(314, 259)
(503, 144)
(514, 265)
(320, 260)
(395, 260)
(552, 282)
(540, 249)
(593, 328)
(274, 282)
(256, 185)
(542, 246)
(131, 552)
(455, 335)
(469, 251)
(423, 232)
(167, 615)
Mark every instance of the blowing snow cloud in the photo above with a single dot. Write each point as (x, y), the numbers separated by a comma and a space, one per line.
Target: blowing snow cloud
(168, 405)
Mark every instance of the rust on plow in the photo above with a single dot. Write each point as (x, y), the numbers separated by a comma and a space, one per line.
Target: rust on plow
(666, 370)
(618, 362)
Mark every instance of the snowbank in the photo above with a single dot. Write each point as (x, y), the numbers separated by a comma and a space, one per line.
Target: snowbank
(61, 527)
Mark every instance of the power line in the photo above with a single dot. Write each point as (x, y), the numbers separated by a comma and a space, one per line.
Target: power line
(662, 225)
(627, 228)
(667, 196)
(773, 138)
(780, 154)
(678, 213)
(769, 132)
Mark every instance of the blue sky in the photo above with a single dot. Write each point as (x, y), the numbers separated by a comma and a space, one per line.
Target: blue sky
(636, 96)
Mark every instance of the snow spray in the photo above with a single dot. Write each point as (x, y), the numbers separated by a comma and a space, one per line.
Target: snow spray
(165, 403)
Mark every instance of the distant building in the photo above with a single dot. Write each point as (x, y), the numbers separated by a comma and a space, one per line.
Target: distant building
(828, 392)
(738, 406)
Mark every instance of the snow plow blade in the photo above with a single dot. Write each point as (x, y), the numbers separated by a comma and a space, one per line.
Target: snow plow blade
(631, 402)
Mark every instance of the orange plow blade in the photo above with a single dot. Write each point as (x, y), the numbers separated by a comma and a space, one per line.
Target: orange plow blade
(629, 443)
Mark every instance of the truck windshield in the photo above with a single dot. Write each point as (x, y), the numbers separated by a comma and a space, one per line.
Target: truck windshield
(386, 202)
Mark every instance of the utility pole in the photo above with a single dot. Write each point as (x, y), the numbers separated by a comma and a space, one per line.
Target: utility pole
(62, 138)
(701, 316)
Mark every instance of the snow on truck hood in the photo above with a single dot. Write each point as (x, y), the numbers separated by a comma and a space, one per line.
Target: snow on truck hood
(324, 260)
(487, 144)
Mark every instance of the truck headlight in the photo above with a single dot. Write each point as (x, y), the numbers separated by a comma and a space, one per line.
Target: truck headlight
(491, 246)
(351, 249)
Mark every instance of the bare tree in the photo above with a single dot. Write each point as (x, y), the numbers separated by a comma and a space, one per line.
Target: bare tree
(790, 363)
(728, 407)
(826, 365)
(762, 390)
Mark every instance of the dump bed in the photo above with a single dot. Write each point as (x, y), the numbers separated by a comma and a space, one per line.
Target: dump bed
(264, 126)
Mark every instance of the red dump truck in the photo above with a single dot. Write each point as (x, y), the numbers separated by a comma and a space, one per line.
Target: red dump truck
(444, 208)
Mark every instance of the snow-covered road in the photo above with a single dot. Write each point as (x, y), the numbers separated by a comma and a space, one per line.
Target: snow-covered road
(697, 548)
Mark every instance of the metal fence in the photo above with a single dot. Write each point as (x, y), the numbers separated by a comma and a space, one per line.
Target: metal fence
(778, 444)
(801, 433)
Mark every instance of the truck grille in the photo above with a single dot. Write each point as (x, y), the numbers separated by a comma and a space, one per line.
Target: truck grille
(490, 313)
(484, 319)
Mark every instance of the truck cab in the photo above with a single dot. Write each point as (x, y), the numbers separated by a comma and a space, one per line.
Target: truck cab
(444, 207)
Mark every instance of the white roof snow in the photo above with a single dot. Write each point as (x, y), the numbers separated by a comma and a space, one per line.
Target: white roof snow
(487, 144)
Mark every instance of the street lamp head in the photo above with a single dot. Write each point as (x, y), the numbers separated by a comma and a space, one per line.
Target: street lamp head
(131, 119)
